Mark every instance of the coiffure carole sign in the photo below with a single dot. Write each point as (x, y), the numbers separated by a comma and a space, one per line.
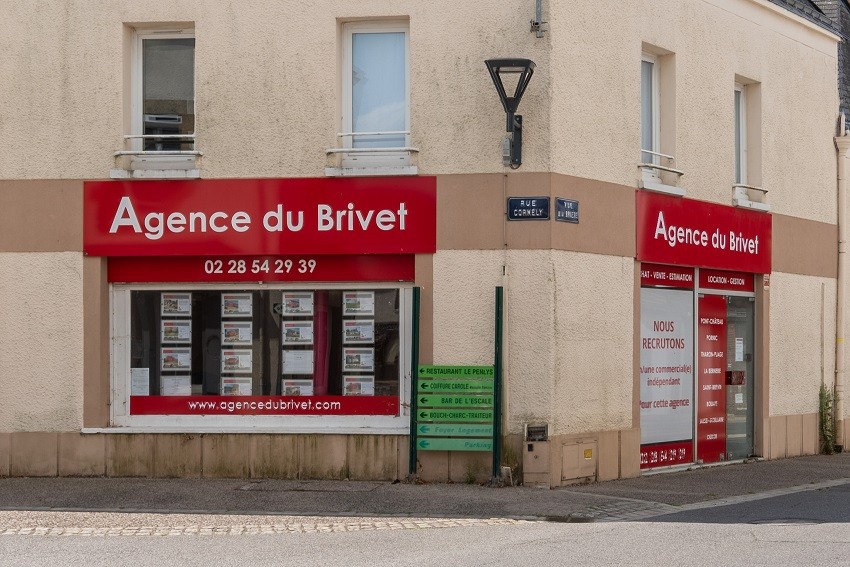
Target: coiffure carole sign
(673, 230)
(260, 216)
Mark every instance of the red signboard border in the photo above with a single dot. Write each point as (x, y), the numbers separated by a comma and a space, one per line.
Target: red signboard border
(704, 217)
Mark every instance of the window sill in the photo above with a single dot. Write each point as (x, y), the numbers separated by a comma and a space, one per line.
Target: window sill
(658, 187)
(155, 174)
(752, 205)
(374, 171)
(741, 194)
(165, 165)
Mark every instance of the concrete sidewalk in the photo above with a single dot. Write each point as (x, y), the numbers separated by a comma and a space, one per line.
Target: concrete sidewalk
(624, 499)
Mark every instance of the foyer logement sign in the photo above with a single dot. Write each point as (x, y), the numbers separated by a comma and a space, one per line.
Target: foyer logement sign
(673, 230)
(238, 217)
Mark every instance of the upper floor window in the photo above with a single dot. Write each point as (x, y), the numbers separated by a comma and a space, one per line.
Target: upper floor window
(376, 92)
(740, 135)
(649, 123)
(164, 90)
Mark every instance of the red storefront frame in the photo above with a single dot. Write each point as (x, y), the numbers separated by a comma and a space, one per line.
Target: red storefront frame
(261, 230)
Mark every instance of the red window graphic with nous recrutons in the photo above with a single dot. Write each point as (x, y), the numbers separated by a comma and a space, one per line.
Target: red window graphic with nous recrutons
(711, 409)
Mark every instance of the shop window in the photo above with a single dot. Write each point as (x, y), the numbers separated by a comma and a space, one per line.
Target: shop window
(277, 353)
(375, 96)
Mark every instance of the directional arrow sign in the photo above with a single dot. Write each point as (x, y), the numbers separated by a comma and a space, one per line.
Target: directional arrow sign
(448, 400)
(456, 415)
(455, 444)
(456, 372)
(456, 386)
(455, 430)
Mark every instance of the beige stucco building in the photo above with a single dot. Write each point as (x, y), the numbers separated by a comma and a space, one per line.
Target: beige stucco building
(718, 113)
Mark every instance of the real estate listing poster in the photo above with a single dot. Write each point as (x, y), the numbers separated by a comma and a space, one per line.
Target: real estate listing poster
(297, 303)
(358, 359)
(176, 304)
(236, 305)
(236, 332)
(358, 331)
(237, 361)
(358, 385)
(358, 303)
(297, 332)
(176, 359)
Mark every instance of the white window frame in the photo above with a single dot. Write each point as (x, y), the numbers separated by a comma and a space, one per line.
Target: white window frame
(393, 156)
(652, 175)
(741, 124)
(122, 422)
(137, 80)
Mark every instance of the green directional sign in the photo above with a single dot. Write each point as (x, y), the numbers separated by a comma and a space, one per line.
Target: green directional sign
(454, 415)
(455, 444)
(455, 386)
(453, 400)
(455, 430)
(456, 372)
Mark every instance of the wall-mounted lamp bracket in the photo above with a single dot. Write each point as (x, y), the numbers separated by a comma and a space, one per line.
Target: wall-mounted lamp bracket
(512, 157)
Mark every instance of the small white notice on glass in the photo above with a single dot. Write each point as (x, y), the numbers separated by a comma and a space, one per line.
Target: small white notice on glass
(739, 349)
(176, 386)
(739, 398)
(297, 362)
(140, 382)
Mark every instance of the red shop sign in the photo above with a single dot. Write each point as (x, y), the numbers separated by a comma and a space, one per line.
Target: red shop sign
(230, 217)
(726, 281)
(263, 405)
(666, 276)
(673, 230)
(355, 268)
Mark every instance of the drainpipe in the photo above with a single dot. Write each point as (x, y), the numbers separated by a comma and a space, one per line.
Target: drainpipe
(842, 143)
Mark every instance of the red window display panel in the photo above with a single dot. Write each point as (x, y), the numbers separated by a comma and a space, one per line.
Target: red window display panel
(711, 383)
(264, 405)
(355, 268)
(666, 454)
(726, 281)
(674, 230)
(233, 217)
(656, 275)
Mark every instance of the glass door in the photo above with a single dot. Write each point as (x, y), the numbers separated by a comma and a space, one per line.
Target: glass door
(740, 389)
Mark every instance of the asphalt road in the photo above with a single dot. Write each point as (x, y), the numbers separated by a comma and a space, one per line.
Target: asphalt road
(828, 505)
(536, 543)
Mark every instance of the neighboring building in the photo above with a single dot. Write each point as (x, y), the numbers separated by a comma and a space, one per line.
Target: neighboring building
(838, 12)
(217, 224)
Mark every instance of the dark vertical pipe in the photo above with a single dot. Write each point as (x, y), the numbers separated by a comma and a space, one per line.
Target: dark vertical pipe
(414, 380)
(497, 386)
